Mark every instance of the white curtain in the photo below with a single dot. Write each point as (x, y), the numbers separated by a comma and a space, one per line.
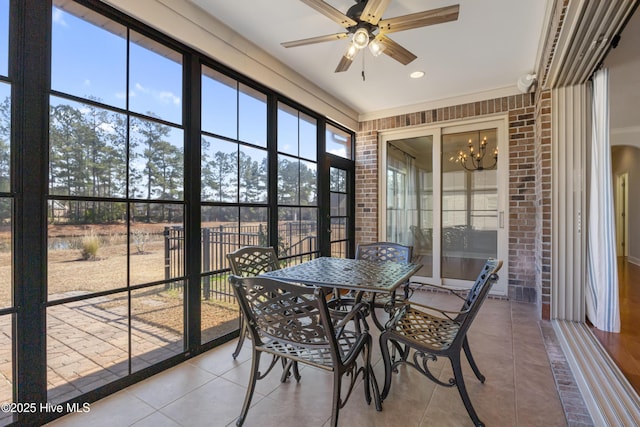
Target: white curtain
(402, 211)
(602, 271)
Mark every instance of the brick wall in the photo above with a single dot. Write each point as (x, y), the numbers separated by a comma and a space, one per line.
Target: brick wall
(524, 177)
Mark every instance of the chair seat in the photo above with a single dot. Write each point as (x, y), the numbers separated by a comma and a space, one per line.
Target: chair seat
(424, 330)
(349, 343)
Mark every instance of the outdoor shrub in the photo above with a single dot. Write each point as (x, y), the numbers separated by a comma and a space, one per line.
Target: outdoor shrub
(90, 246)
(140, 239)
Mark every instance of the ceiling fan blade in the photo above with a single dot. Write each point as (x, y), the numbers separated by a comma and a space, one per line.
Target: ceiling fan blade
(395, 51)
(419, 19)
(330, 12)
(319, 39)
(344, 64)
(372, 12)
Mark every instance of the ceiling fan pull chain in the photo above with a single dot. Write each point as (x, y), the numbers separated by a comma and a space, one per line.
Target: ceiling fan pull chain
(363, 79)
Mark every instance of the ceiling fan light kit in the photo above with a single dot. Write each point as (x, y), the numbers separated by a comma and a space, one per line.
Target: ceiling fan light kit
(364, 22)
(360, 38)
(376, 48)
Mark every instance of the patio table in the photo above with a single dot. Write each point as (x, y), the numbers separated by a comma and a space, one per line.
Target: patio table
(351, 274)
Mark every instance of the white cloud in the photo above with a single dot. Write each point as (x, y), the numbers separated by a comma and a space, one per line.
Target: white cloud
(163, 97)
(58, 17)
(87, 82)
(166, 96)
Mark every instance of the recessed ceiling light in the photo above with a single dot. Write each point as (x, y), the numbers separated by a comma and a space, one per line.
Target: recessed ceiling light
(417, 74)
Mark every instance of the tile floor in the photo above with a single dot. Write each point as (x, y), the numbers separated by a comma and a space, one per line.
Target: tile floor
(208, 390)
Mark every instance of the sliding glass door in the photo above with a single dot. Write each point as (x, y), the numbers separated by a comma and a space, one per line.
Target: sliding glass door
(469, 202)
(444, 193)
(409, 201)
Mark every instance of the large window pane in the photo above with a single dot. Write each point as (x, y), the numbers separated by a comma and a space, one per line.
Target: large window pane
(87, 150)
(6, 365)
(253, 175)
(308, 241)
(338, 211)
(288, 230)
(6, 254)
(308, 183)
(87, 345)
(410, 197)
(219, 170)
(157, 324)
(252, 116)
(288, 180)
(219, 309)
(157, 253)
(254, 224)
(97, 51)
(155, 79)
(338, 180)
(5, 137)
(156, 161)
(4, 38)
(220, 235)
(287, 129)
(338, 142)
(219, 104)
(469, 203)
(87, 247)
(308, 137)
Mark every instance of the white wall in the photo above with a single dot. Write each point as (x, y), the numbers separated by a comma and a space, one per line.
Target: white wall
(627, 159)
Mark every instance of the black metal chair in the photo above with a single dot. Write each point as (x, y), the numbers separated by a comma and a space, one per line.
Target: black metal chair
(379, 251)
(415, 327)
(292, 322)
(251, 261)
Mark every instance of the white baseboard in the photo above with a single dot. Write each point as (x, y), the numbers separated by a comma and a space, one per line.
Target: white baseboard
(634, 260)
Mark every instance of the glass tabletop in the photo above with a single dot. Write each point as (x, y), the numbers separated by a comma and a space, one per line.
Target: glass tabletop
(346, 273)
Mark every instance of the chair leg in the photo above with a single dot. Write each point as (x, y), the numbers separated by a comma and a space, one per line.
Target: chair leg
(370, 379)
(467, 352)
(386, 358)
(255, 366)
(286, 370)
(335, 406)
(243, 328)
(457, 374)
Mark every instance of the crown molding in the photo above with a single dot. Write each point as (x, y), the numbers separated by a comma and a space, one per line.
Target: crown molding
(441, 103)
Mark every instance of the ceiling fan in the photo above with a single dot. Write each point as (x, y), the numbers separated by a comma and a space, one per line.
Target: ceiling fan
(363, 22)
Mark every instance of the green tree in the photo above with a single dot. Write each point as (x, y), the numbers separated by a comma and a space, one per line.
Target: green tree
(253, 179)
(288, 181)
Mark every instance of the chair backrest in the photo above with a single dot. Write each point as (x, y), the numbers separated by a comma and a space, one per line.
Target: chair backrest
(384, 251)
(285, 312)
(253, 260)
(478, 293)
(420, 240)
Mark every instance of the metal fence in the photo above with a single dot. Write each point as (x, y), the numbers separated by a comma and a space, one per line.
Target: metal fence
(297, 241)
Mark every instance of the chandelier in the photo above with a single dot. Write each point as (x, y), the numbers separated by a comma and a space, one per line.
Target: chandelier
(474, 158)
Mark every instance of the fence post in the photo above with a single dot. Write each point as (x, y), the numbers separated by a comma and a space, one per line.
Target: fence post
(167, 253)
(205, 241)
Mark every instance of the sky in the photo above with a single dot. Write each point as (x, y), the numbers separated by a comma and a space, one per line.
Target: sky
(91, 62)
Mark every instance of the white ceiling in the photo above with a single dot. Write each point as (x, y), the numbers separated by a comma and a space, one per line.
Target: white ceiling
(492, 43)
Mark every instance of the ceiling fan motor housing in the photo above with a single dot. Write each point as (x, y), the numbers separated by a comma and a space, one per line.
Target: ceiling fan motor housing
(355, 11)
